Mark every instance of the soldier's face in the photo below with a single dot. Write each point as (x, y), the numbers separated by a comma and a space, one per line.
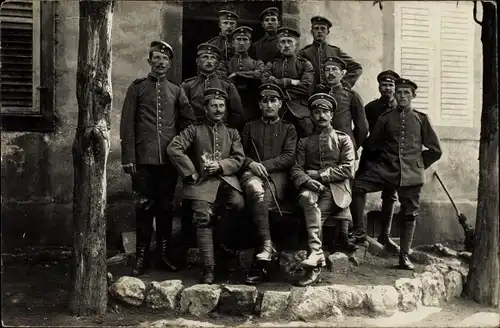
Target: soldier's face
(207, 62)
(159, 63)
(287, 45)
(227, 26)
(404, 96)
(270, 106)
(270, 23)
(241, 43)
(386, 89)
(320, 32)
(321, 117)
(215, 109)
(333, 74)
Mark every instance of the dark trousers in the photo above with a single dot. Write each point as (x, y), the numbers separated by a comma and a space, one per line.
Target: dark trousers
(154, 186)
(228, 203)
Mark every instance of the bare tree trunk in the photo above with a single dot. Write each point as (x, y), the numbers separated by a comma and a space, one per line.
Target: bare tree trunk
(88, 290)
(483, 281)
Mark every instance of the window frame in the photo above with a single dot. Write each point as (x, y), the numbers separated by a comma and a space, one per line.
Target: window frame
(43, 120)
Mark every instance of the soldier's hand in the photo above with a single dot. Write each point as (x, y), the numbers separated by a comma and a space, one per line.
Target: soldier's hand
(192, 179)
(315, 186)
(212, 167)
(314, 174)
(258, 169)
(129, 168)
(295, 82)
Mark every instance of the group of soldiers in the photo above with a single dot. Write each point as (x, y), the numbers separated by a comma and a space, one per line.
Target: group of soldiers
(258, 116)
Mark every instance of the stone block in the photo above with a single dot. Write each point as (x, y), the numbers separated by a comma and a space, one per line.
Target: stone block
(453, 282)
(274, 303)
(347, 297)
(129, 290)
(433, 289)
(200, 300)
(336, 261)
(409, 293)
(164, 295)
(381, 300)
(310, 303)
(237, 299)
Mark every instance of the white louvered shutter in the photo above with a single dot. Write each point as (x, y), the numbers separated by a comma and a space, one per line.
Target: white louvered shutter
(434, 46)
(19, 68)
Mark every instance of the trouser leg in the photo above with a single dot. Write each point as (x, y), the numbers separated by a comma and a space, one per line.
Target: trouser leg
(410, 206)
(308, 200)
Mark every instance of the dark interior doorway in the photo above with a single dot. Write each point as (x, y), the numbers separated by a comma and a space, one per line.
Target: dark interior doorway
(199, 24)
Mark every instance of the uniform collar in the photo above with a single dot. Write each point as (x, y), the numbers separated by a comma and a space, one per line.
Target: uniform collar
(318, 44)
(404, 110)
(266, 121)
(211, 123)
(337, 86)
(324, 131)
(204, 76)
(155, 78)
(288, 57)
(243, 55)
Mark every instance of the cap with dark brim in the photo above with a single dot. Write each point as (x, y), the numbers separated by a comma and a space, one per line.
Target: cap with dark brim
(320, 20)
(288, 32)
(335, 61)
(207, 48)
(214, 93)
(271, 11)
(402, 83)
(322, 100)
(162, 47)
(387, 76)
(270, 90)
(227, 14)
(242, 31)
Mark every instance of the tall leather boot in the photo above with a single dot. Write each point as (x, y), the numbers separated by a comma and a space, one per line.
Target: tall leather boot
(407, 230)
(316, 257)
(260, 214)
(256, 274)
(204, 239)
(144, 230)
(163, 235)
(384, 238)
(357, 208)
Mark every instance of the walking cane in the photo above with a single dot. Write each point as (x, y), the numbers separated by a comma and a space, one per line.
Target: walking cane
(268, 182)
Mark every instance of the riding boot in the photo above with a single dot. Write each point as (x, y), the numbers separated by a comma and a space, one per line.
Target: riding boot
(311, 277)
(260, 212)
(163, 235)
(204, 239)
(144, 230)
(406, 233)
(384, 238)
(316, 257)
(256, 274)
(342, 241)
(357, 208)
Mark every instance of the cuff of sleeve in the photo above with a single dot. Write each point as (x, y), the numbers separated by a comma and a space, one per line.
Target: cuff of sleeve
(300, 181)
(287, 82)
(324, 175)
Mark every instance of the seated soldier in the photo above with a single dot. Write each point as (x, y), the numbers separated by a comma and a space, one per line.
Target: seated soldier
(324, 165)
(269, 144)
(216, 155)
(245, 72)
(295, 76)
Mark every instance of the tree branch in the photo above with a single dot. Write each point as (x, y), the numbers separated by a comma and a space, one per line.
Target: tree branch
(474, 13)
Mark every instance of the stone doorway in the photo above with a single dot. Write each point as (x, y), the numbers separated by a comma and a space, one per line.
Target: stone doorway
(199, 24)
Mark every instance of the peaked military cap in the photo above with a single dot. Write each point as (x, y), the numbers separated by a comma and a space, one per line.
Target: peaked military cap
(271, 90)
(322, 100)
(271, 11)
(288, 31)
(227, 14)
(401, 82)
(387, 76)
(162, 47)
(242, 31)
(214, 93)
(207, 48)
(335, 61)
(321, 21)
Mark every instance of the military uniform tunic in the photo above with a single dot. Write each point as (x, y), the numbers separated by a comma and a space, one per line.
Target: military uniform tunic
(375, 108)
(195, 87)
(265, 49)
(225, 46)
(276, 143)
(316, 53)
(154, 111)
(208, 141)
(248, 73)
(349, 111)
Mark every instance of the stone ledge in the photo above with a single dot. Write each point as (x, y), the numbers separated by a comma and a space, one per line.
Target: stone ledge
(440, 282)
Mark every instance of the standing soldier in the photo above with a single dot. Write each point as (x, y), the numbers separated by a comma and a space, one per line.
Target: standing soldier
(245, 72)
(208, 58)
(295, 76)
(317, 51)
(396, 159)
(269, 144)
(322, 172)
(350, 110)
(228, 21)
(373, 110)
(155, 109)
(216, 155)
(266, 49)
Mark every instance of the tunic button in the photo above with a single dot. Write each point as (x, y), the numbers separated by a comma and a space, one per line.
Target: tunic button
(159, 124)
